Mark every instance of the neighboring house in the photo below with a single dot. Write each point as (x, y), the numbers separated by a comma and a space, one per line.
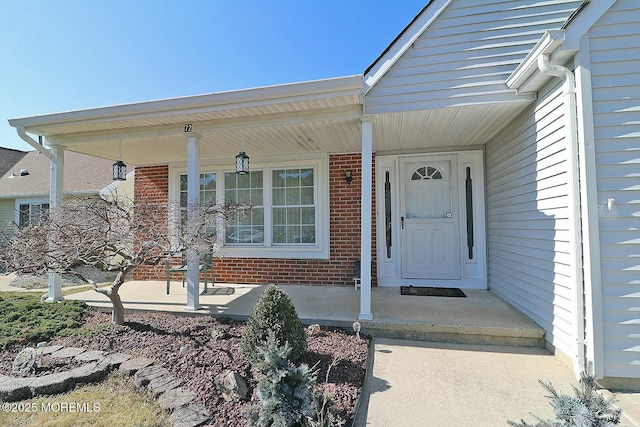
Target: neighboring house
(24, 189)
(8, 158)
(467, 152)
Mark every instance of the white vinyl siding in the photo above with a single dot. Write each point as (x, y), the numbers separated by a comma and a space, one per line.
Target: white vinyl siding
(465, 55)
(7, 216)
(615, 64)
(529, 251)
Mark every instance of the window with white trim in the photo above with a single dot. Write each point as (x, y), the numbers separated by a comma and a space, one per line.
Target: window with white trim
(289, 215)
(29, 213)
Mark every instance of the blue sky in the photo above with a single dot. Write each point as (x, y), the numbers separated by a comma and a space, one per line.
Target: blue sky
(67, 55)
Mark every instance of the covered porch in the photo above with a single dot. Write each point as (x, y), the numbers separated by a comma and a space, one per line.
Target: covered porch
(479, 318)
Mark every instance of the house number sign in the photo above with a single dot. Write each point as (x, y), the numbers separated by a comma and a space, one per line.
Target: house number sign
(188, 127)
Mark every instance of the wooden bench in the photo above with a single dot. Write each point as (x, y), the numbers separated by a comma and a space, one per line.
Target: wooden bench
(206, 265)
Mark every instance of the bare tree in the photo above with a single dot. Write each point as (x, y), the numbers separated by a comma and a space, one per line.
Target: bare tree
(114, 235)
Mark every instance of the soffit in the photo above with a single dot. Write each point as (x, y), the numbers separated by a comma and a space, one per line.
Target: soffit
(443, 128)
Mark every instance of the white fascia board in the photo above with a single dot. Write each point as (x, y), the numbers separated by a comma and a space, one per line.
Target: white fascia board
(548, 44)
(404, 42)
(339, 86)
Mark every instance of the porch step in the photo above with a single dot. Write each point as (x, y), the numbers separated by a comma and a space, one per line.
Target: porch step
(459, 334)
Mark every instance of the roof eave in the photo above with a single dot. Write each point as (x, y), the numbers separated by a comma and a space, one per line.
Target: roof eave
(523, 77)
(349, 85)
(403, 42)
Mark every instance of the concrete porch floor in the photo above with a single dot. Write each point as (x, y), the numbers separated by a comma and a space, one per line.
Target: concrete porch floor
(480, 318)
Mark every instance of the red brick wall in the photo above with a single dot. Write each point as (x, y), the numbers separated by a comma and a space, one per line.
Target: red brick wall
(344, 226)
(152, 186)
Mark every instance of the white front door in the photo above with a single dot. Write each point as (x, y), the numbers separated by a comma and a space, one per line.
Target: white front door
(430, 223)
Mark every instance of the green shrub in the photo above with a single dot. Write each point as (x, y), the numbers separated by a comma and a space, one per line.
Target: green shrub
(26, 320)
(274, 312)
(588, 408)
(285, 391)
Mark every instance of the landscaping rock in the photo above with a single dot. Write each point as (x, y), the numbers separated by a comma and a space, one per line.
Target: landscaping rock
(14, 389)
(91, 356)
(89, 373)
(52, 384)
(48, 349)
(232, 385)
(219, 334)
(24, 362)
(64, 353)
(145, 375)
(191, 415)
(176, 398)
(114, 360)
(157, 386)
(132, 366)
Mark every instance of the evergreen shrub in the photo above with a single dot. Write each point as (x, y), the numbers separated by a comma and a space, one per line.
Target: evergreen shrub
(274, 312)
(588, 408)
(285, 391)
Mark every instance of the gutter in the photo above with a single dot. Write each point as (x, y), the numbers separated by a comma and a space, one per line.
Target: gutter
(32, 142)
(570, 103)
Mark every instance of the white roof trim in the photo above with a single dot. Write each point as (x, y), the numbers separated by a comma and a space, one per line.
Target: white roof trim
(561, 44)
(548, 44)
(235, 98)
(408, 36)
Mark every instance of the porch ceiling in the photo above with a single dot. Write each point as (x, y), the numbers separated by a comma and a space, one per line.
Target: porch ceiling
(442, 128)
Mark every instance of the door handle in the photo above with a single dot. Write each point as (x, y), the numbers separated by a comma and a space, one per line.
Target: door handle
(402, 222)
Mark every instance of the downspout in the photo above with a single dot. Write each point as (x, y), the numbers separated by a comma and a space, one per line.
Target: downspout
(574, 204)
(32, 142)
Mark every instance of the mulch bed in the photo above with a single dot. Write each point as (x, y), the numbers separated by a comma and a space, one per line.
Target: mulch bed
(199, 348)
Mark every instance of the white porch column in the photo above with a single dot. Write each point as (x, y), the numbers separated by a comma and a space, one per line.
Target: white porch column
(56, 188)
(365, 220)
(193, 199)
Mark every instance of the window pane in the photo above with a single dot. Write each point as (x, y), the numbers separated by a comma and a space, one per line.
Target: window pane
(293, 216)
(243, 196)
(308, 234)
(277, 177)
(256, 196)
(279, 216)
(306, 197)
(278, 196)
(293, 178)
(23, 216)
(293, 196)
(246, 227)
(308, 216)
(293, 209)
(229, 181)
(306, 176)
(279, 234)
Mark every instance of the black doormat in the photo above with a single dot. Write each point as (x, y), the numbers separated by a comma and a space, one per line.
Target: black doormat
(426, 291)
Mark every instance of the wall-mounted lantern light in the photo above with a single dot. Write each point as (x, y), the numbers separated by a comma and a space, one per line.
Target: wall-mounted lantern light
(348, 176)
